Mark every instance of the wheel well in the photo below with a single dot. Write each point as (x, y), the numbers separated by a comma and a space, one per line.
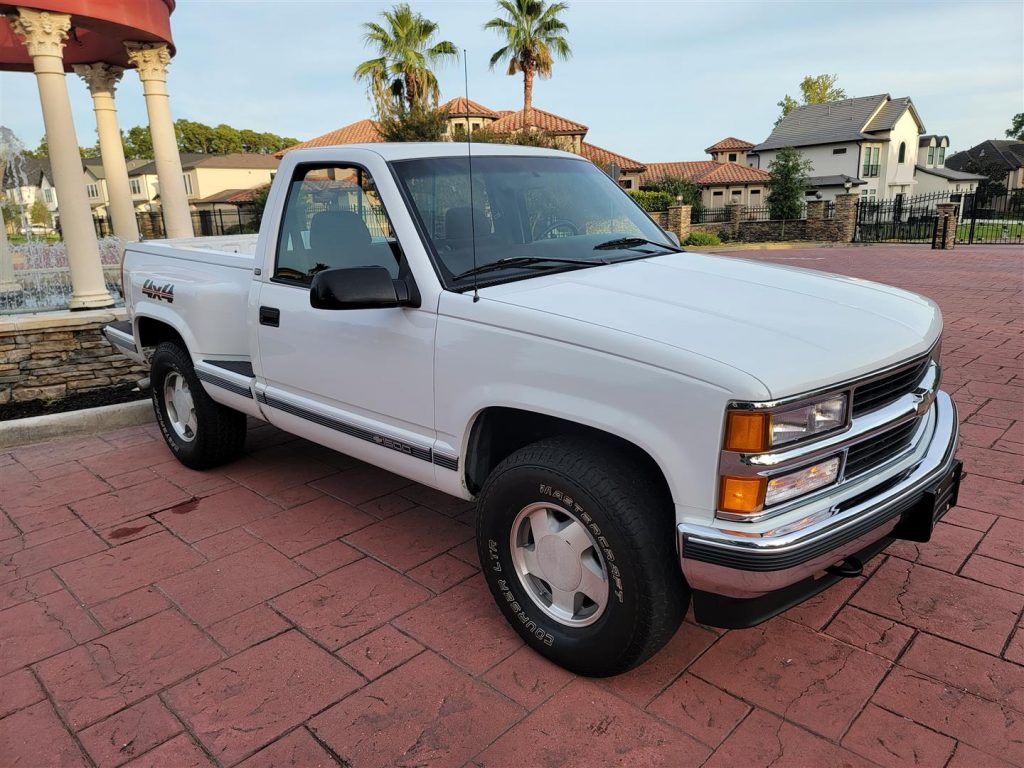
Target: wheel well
(499, 432)
(153, 332)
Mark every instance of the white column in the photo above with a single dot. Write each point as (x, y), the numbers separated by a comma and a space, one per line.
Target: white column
(44, 35)
(102, 81)
(151, 61)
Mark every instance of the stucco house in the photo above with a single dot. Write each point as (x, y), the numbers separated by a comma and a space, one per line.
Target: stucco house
(211, 181)
(726, 179)
(932, 174)
(28, 181)
(872, 144)
(466, 115)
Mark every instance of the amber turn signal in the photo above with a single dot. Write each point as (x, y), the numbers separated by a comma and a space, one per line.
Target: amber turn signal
(742, 494)
(747, 431)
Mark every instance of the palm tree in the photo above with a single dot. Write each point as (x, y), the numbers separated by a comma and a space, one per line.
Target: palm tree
(534, 35)
(401, 74)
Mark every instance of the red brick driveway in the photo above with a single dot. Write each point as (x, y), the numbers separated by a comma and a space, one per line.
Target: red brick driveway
(299, 608)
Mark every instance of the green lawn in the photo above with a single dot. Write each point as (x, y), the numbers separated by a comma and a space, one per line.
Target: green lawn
(1011, 231)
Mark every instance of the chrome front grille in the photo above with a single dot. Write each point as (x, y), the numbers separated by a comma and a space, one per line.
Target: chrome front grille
(886, 389)
(864, 456)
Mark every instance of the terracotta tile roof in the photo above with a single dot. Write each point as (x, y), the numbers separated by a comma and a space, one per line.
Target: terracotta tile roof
(730, 142)
(461, 106)
(360, 132)
(548, 122)
(705, 173)
(232, 196)
(602, 157)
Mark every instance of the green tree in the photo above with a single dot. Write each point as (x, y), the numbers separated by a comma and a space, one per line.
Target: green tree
(401, 74)
(994, 183)
(815, 89)
(519, 138)
(138, 144)
(788, 181)
(39, 213)
(1016, 127)
(682, 190)
(534, 36)
(417, 123)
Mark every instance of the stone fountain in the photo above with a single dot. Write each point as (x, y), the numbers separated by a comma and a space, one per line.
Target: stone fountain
(12, 161)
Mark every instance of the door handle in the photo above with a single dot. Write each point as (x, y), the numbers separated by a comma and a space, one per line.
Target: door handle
(270, 316)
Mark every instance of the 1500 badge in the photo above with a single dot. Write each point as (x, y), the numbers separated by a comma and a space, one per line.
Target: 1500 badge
(163, 292)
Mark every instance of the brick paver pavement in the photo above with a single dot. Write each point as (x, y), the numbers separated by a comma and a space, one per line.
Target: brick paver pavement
(300, 608)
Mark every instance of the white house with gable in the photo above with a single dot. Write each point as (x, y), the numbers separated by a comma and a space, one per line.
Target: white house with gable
(870, 144)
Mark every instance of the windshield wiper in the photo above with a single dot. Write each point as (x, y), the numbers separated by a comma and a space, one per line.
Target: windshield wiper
(632, 242)
(524, 261)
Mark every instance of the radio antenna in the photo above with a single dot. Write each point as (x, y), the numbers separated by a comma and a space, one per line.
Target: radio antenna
(469, 162)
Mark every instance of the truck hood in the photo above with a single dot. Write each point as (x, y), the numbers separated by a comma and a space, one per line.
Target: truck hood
(792, 329)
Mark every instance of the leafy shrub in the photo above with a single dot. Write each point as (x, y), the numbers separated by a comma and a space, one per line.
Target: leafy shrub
(702, 238)
(678, 187)
(652, 201)
(524, 138)
(724, 235)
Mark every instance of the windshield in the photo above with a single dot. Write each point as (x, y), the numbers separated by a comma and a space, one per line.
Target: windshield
(524, 209)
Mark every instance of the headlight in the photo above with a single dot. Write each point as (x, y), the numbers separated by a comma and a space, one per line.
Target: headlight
(750, 495)
(754, 431)
(807, 420)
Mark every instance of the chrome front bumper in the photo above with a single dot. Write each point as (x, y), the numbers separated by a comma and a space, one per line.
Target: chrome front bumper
(734, 566)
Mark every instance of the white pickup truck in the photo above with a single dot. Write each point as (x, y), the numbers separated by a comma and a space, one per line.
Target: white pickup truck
(640, 426)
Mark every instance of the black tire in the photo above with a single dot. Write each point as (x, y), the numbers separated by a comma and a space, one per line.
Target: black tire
(611, 494)
(219, 433)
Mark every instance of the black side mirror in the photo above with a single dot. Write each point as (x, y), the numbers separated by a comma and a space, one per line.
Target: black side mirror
(360, 288)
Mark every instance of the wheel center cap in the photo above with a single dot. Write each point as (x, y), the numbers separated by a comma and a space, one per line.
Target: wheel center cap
(560, 562)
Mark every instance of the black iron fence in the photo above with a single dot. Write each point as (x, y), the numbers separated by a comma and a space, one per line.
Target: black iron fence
(240, 221)
(903, 219)
(709, 215)
(991, 219)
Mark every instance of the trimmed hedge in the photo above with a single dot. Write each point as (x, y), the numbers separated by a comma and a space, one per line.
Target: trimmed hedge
(652, 201)
(702, 238)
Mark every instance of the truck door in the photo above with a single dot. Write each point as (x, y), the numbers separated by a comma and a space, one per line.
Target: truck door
(359, 381)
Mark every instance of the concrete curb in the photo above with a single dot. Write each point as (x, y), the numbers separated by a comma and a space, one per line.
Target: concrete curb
(37, 429)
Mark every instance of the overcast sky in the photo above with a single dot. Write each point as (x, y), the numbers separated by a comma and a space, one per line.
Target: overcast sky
(656, 81)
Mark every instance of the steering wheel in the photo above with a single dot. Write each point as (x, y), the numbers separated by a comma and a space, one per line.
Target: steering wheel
(290, 274)
(559, 224)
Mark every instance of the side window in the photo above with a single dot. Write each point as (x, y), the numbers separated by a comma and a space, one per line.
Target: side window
(333, 218)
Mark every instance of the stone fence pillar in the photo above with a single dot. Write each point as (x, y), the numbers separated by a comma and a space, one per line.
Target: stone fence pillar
(679, 221)
(845, 217)
(945, 233)
(816, 229)
(734, 213)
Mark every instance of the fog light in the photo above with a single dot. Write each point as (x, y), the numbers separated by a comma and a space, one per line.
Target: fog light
(803, 481)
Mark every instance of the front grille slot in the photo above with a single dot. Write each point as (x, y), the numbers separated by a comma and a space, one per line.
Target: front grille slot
(879, 449)
(889, 388)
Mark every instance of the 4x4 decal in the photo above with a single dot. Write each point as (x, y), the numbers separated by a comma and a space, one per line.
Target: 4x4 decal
(163, 292)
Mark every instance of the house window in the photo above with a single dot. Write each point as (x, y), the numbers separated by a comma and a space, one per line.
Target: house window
(903, 153)
(942, 155)
(135, 186)
(755, 192)
(867, 194)
(717, 194)
(626, 183)
(839, 151)
(931, 155)
(870, 169)
(188, 184)
(48, 195)
(736, 192)
(91, 190)
(460, 130)
(732, 157)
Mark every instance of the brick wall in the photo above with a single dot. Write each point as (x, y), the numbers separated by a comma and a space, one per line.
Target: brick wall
(52, 355)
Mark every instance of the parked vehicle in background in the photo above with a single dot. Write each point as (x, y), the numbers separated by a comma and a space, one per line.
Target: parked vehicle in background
(640, 426)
